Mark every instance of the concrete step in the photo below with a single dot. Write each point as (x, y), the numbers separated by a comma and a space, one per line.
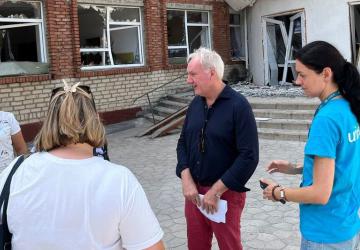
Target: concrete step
(184, 94)
(172, 104)
(284, 114)
(278, 118)
(282, 134)
(164, 111)
(184, 89)
(283, 103)
(288, 124)
(182, 99)
(149, 117)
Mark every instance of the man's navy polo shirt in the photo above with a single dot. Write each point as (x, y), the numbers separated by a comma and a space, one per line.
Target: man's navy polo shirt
(230, 137)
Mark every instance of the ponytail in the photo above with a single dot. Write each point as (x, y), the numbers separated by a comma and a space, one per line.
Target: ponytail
(318, 55)
(349, 86)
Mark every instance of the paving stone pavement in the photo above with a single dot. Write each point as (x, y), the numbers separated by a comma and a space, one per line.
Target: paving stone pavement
(264, 225)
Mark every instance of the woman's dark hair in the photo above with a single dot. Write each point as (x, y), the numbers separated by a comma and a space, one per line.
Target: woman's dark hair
(319, 55)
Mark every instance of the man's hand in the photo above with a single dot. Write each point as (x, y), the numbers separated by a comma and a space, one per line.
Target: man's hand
(210, 201)
(212, 196)
(190, 191)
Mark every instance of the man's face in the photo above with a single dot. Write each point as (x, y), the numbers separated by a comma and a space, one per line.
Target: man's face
(199, 78)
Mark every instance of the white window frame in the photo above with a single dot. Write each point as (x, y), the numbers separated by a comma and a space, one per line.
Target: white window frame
(187, 24)
(243, 15)
(23, 22)
(107, 48)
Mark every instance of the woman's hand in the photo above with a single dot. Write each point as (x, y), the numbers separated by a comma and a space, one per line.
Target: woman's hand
(284, 167)
(267, 193)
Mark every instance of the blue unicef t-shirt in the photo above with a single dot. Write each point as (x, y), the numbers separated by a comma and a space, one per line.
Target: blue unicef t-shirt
(334, 134)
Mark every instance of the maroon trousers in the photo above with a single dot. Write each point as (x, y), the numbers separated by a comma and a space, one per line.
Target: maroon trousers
(200, 229)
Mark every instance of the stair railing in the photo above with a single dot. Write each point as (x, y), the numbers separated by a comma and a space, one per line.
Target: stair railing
(153, 90)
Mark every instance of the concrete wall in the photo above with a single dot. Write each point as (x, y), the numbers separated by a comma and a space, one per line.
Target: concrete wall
(324, 20)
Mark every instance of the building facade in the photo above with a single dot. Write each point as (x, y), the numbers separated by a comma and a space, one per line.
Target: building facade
(120, 48)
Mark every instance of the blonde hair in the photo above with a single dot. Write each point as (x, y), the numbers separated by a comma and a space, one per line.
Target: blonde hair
(209, 59)
(71, 118)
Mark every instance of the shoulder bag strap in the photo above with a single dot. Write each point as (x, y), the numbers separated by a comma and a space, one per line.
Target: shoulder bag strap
(4, 198)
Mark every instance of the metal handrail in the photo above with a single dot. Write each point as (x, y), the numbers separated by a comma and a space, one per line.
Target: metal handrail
(159, 87)
(154, 89)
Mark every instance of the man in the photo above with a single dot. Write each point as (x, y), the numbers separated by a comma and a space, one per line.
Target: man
(217, 152)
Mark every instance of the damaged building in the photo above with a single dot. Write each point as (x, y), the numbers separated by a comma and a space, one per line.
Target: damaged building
(124, 48)
(276, 28)
(120, 48)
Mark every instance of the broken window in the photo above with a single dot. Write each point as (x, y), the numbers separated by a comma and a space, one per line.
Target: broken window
(282, 36)
(110, 36)
(238, 36)
(355, 34)
(187, 31)
(22, 41)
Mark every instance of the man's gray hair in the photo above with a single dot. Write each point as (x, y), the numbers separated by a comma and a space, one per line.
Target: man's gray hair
(209, 59)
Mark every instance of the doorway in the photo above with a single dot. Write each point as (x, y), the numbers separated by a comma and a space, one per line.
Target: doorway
(282, 36)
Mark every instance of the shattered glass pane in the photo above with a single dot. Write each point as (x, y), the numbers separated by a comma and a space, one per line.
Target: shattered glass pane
(20, 53)
(99, 9)
(125, 44)
(277, 42)
(235, 19)
(177, 56)
(92, 27)
(237, 40)
(197, 17)
(95, 58)
(237, 36)
(119, 14)
(19, 43)
(198, 36)
(23, 68)
(20, 9)
(296, 42)
(176, 28)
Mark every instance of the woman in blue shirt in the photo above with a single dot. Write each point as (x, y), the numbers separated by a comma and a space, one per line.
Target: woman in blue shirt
(329, 194)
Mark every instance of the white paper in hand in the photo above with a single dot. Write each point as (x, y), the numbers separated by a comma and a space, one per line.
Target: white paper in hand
(219, 216)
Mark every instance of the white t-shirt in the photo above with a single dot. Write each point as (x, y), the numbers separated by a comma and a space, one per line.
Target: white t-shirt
(8, 127)
(62, 204)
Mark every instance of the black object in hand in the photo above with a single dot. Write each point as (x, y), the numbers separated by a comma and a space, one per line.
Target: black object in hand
(263, 185)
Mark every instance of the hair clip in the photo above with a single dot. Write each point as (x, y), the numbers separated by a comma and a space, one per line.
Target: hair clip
(68, 88)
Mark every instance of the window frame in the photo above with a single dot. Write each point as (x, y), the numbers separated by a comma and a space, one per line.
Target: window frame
(189, 24)
(24, 22)
(107, 49)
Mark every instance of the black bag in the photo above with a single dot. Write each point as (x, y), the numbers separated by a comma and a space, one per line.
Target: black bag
(5, 235)
(102, 151)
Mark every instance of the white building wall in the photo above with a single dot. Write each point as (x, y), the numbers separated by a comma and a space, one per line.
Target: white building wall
(324, 20)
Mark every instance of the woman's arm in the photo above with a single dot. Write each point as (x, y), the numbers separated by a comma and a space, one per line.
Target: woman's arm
(318, 193)
(19, 143)
(285, 167)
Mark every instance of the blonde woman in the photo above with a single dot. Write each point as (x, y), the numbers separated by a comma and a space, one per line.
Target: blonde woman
(63, 197)
(10, 138)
